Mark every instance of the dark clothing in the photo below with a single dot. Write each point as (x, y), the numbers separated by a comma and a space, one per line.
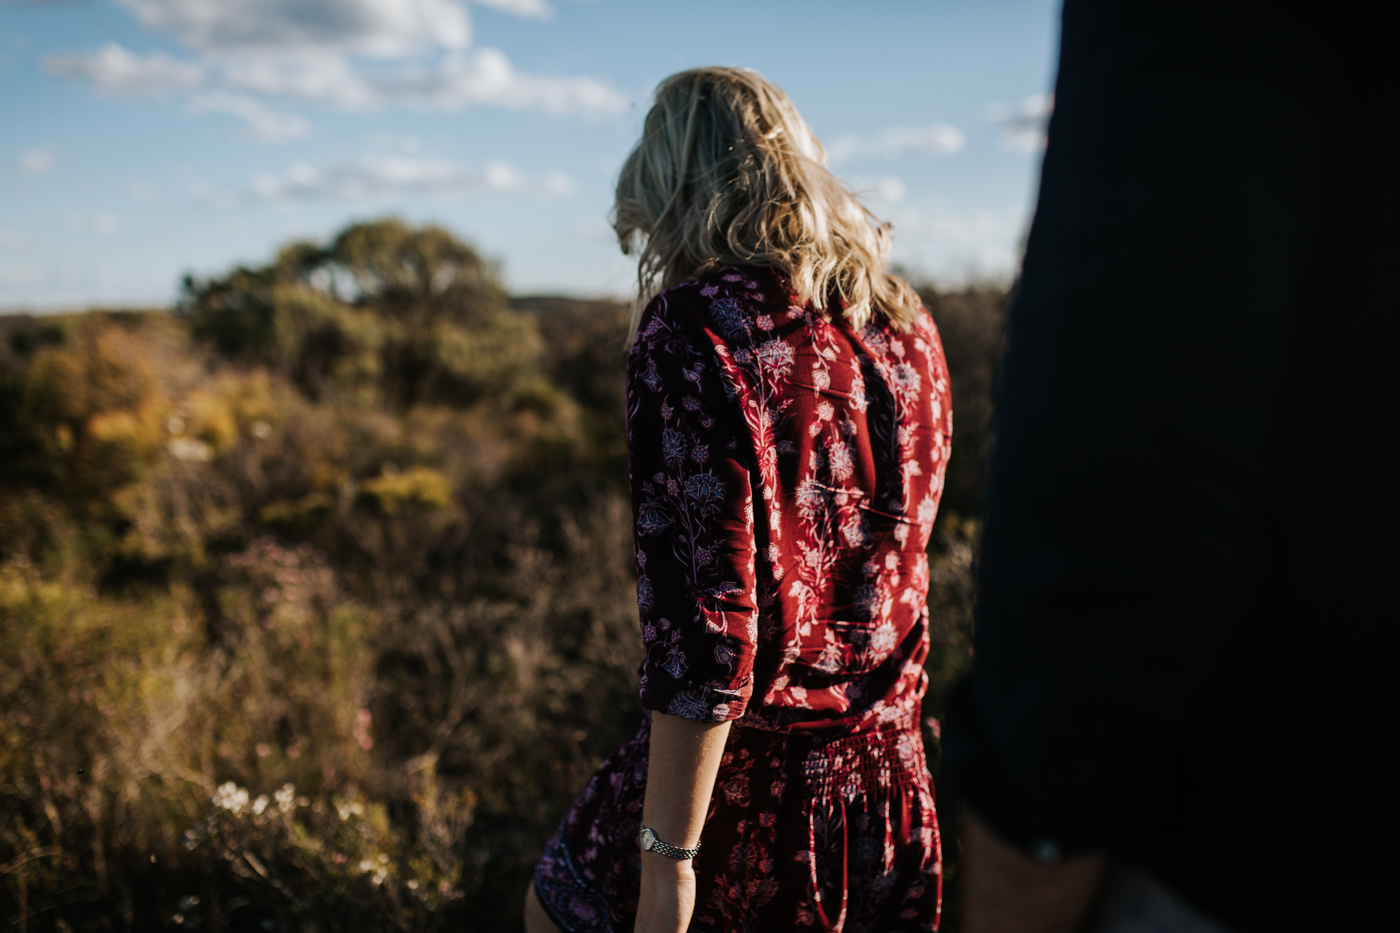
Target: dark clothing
(1185, 576)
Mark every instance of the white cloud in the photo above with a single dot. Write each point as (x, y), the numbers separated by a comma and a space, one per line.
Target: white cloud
(265, 124)
(18, 275)
(375, 177)
(486, 77)
(321, 78)
(407, 143)
(1023, 125)
(35, 162)
(530, 9)
(315, 51)
(955, 244)
(937, 139)
(599, 231)
(98, 222)
(885, 189)
(380, 28)
(483, 77)
(114, 70)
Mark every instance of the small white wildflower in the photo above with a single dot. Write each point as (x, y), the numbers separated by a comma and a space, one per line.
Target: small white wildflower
(286, 798)
(260, 805)
(230, 797)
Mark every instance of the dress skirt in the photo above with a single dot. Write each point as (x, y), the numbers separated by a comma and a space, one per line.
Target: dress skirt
(803, 833)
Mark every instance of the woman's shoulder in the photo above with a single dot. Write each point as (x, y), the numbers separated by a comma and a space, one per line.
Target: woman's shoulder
(725, 302)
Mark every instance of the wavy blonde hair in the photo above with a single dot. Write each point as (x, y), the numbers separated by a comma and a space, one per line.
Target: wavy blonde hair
(727, 173)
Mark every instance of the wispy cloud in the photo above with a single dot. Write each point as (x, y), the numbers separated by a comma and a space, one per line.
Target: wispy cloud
(99, 222)
(327, 79)
(379, 28)
(264, 123)
(380, 177)
(452, 81)
(114, 70)
(35, 162)
(455, 81)
(529, 9)
(956, 244)
(937, 139)
(485, 77)
(1023, 124)
(324, 52)
(885, 189)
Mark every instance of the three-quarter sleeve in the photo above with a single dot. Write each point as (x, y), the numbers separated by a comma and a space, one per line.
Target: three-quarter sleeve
(692, 504)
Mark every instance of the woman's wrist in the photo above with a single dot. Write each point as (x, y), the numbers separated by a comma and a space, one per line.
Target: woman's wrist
(658, 866)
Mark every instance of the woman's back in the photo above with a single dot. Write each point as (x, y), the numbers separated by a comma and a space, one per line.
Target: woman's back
(786, 459)
(786, 472)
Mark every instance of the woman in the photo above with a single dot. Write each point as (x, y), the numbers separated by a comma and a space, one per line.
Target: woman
(788, 426)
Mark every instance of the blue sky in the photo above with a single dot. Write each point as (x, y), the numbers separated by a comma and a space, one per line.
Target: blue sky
(143, 139)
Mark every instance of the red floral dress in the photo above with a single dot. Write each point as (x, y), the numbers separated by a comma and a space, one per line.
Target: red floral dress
(786, 472)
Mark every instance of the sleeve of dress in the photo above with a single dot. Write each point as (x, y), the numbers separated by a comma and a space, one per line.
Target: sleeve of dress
(1143, 383)
(692, 504)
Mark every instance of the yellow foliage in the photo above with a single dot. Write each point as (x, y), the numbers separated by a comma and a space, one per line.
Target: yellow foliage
(95, 408)
(423, 487)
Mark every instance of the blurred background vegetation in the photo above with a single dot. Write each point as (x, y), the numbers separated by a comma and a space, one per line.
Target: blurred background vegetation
(316, 592)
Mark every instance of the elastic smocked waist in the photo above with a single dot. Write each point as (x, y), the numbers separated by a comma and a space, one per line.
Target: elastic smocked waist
(888, 756)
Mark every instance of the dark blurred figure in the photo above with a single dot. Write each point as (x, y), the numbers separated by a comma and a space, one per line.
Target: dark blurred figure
(1183, 654)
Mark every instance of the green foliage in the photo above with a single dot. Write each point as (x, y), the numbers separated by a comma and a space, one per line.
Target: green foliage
(316, 599)
(407, 315)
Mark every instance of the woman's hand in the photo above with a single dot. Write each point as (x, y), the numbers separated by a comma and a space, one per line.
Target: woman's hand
(668, 894)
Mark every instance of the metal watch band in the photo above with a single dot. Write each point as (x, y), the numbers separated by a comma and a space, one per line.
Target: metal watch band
(649, 843)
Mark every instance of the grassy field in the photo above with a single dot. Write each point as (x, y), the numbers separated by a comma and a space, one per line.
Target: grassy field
(316, 595)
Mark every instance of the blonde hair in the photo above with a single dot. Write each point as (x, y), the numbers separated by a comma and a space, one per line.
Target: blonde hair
(727, 173)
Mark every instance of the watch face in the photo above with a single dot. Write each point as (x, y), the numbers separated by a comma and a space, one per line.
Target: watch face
(648, 839)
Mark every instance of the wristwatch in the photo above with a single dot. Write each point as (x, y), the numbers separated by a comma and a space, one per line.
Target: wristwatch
(649, 843)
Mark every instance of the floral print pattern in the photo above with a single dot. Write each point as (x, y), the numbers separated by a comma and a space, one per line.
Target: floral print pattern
(785, 473)
(803, 833)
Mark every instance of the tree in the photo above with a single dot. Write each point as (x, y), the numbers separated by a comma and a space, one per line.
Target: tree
(406, 315)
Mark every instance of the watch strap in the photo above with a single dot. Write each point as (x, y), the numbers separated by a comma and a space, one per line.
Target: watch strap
(650, 843)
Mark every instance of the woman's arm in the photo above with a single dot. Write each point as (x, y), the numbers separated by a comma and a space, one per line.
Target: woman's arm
(684, 760)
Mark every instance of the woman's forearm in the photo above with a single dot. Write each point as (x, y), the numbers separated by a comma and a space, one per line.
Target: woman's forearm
(682, 763)
(681, 769)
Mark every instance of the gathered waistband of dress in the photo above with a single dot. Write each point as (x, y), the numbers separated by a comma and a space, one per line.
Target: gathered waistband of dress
(885, 757)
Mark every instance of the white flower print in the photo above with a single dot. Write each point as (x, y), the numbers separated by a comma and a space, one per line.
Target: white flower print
(928, 509)
(776, 355)
(838, 455)
(882, 640)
